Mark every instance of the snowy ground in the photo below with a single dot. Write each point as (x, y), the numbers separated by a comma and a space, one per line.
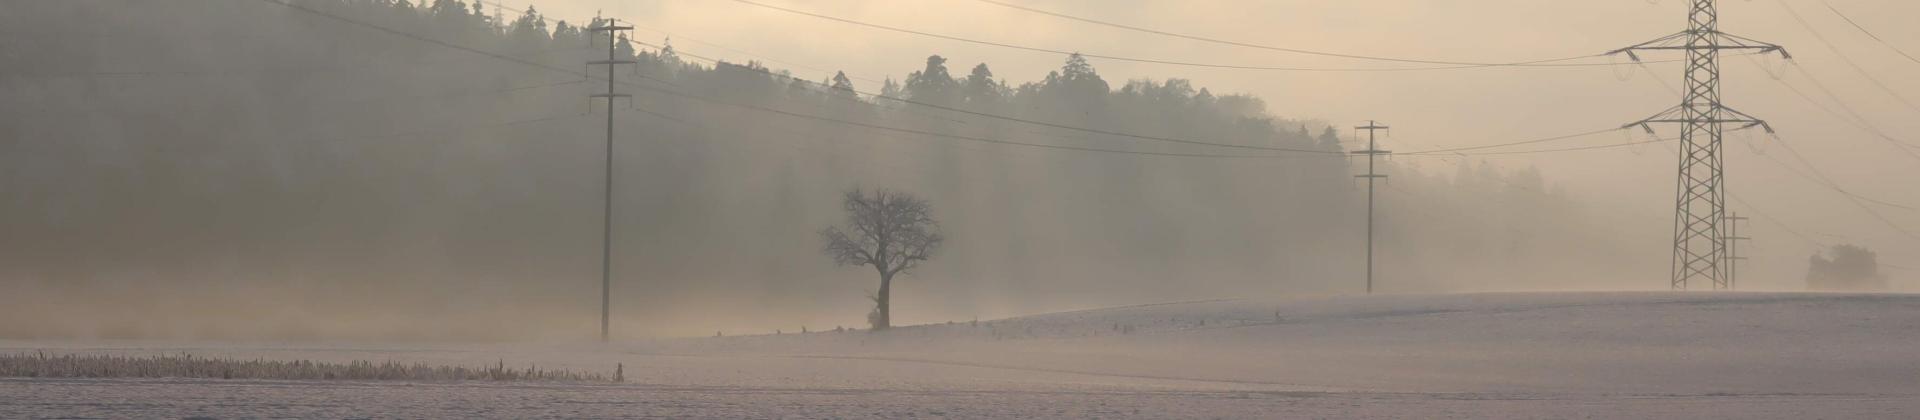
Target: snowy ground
(1560, 355)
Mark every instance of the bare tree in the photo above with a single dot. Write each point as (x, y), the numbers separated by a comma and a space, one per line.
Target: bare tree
(889, 230)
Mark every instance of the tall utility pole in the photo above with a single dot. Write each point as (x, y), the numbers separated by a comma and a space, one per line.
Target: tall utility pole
(1699, 248)
(1733, 249)
(1373, 151)
(612, 29)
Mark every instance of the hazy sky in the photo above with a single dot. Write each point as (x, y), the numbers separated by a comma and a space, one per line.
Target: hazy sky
(1428, 109)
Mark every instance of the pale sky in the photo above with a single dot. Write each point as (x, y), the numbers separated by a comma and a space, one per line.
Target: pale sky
(1430, 109)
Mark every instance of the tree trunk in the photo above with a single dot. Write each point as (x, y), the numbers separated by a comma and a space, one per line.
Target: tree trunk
(882, 302)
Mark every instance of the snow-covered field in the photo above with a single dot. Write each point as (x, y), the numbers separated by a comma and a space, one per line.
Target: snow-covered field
(1537, 355)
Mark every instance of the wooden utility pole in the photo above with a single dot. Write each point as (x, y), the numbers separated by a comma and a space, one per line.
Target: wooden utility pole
(1373, 151)
(612, 28)
(1733, 250)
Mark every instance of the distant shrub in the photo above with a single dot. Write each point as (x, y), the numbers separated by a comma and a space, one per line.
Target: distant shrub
(1850, 268)
(42, 365)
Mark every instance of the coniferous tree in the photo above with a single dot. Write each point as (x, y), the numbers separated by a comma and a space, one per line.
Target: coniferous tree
(842, 85)
(623, 49)
(565, 34)
(529, 31)
(980, 91)
(932, 84)
(668, 54)
(890, 92)
(1329, 138)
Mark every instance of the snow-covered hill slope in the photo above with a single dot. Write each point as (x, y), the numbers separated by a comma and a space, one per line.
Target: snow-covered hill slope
(1784, 355)
(1642, 343)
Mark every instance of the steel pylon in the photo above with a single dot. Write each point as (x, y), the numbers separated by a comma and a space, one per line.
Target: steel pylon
(1699, 248)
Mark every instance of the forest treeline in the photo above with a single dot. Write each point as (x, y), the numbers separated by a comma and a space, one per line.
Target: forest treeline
(248, 168)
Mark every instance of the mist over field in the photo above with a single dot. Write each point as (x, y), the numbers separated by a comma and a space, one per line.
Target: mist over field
(234, 169)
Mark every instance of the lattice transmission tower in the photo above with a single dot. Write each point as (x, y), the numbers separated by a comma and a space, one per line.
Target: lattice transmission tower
(1699, 247)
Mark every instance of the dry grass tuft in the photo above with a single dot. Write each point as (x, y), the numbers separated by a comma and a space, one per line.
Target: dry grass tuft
(42, 365)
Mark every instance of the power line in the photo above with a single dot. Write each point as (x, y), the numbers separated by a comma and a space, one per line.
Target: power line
(1455, 64)
(1817, 245)
(760, 57)
(1516, 143)
(874, 126)
(951, 136)
(439, 96)
(712, 130)
(775, 111)
(1452, 151)
(877, 96)
(769, 72)
(1844, 58)
(404, 34)
(1124, 58)
(961, 137)
(1836, 188)
(1777, 222)
(680, 52)
(1857, 121)
(1796, 91)
(238, 72)
(1820, 180)
(1576, 149)
(1857, 202)
(763, 71)
(1863, 29)
(466, 93)
(464, 128)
